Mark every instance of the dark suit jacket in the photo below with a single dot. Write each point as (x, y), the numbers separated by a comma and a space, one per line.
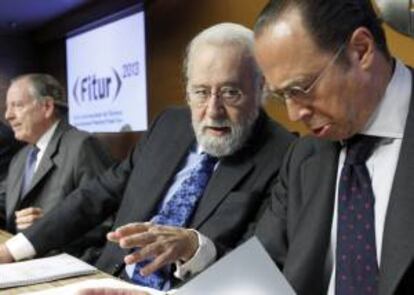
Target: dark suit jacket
(8, 147)
(296, 227)
(136, 186)
(71, 158)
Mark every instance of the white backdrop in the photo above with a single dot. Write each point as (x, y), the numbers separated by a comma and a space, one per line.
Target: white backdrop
(106, 70)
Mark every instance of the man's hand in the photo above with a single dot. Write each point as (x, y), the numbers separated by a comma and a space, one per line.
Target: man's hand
(110, 291)
(5, 256)
(165, 244)
(26, 217)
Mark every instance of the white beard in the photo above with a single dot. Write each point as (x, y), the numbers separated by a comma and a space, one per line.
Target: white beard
(229, 143)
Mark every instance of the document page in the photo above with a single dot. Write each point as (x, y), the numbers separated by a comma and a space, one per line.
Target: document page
(42, 270)
(73, 289)
(246, 270)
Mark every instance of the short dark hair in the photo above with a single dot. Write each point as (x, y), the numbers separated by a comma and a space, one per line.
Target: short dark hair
(330, 22)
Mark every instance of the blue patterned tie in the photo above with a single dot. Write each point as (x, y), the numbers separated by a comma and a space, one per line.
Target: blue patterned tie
(29, 169)
(356, 255)
(177, 212)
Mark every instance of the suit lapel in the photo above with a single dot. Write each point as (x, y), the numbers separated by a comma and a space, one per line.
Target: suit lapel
(47, 163)
(227, 176)
(14, 183)
(398, 241)
(170, 157)
(309, 244)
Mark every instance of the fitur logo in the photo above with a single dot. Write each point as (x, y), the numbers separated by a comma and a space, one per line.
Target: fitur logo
(92, 88)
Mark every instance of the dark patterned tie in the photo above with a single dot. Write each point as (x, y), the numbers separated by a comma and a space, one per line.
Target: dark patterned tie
(356, 255)
(177, 212)
(29, 169)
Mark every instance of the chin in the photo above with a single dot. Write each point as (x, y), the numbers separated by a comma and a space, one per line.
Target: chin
(23, 138)
(18, 137)
(334, 137)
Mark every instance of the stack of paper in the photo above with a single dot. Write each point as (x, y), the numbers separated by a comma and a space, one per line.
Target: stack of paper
(42, 270)
(245, 271)
(95, 283)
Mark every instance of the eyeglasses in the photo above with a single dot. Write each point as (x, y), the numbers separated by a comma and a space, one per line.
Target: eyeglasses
(229, 95)
(299, 93)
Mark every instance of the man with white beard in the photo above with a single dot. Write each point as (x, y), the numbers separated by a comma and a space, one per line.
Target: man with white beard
(184, 195)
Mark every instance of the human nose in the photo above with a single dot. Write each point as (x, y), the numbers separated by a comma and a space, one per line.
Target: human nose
(215, 106)
(297, 111)
(8, 115)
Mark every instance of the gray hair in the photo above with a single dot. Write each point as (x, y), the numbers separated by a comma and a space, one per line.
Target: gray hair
(225, 34)
(45, 86)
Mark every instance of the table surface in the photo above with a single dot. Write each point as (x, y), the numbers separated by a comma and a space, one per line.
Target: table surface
(19, 290)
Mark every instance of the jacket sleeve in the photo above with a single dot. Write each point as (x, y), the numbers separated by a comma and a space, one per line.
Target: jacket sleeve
(86, 207)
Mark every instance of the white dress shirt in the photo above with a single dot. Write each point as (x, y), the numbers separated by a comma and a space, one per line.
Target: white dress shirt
(388, 122)
(43, 142)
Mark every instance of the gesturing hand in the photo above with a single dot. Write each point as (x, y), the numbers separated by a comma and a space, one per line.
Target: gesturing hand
(165, 244)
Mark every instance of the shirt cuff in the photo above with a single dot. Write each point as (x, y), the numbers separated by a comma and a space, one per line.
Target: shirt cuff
(204, 256)
(20, 247)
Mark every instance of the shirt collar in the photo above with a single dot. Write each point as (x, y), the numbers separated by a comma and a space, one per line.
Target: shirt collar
(391, 114)
(198, 149)
(44, 140)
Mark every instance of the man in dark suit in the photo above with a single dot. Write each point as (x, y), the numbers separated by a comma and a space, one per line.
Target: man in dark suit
(66, 157)
(8, 147)
(224, 122)
(341, 217)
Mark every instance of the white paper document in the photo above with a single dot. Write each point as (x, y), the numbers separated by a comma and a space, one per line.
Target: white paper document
(246, 270)
(72, 289)
(42, 270)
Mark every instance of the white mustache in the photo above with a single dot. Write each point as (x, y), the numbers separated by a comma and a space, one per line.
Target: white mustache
(217, 124)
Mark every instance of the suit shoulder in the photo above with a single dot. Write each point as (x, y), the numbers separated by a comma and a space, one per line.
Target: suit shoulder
(308, 146)
(172, 122)
(76, 140)
(279, 132)
(79, 145)
(175, 115)
(75, 135)
(277, 138)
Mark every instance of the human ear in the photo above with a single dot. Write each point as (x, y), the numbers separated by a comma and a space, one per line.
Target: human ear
(362, 47)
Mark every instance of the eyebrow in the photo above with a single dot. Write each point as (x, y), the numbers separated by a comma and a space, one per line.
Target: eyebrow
(297, 81)
(225, 84)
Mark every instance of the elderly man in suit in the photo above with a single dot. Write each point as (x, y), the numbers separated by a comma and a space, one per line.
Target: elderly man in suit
(58, 157)
(193, 184)
(341, 217)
